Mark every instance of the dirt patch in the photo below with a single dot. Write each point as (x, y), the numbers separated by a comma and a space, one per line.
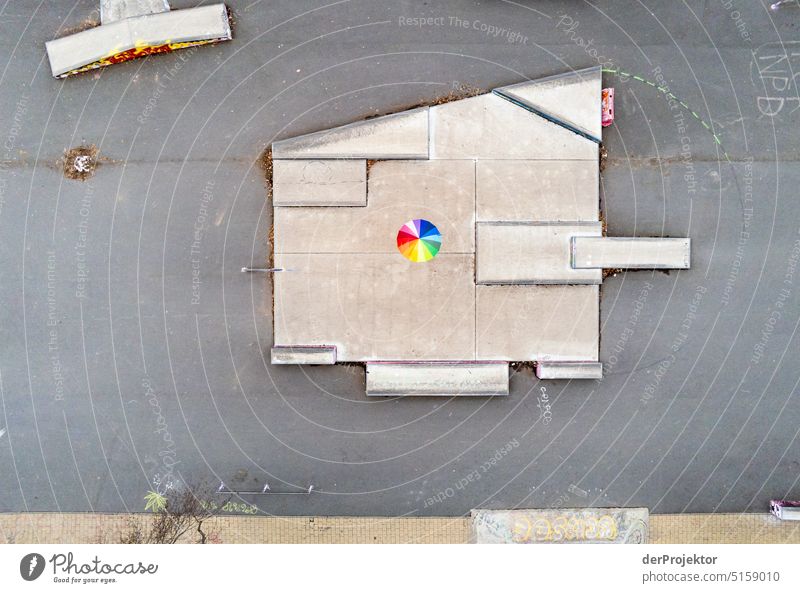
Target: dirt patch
(80, 163)
(271, 247)
(87, 23)
(463, 91)
(611, 272)
(603, 158)
(265, 163)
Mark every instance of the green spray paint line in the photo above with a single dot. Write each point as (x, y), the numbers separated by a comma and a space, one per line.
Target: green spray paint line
(667, 93)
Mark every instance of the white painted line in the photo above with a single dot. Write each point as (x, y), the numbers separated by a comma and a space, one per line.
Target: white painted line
(2, 432)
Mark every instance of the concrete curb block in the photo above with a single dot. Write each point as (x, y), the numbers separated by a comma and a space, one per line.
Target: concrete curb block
(437, 379)
(569, 370)
(303, 355)
(134, 37)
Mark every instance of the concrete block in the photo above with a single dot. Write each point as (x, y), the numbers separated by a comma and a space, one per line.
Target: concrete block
(134, 37)
(488, 127)
(630, 253)
(542, 323)
(569, 370)
(537, 190)
(532, 253)
(377, 306)
(303, 355)
(573, 97)
(442, 192)
(399, 136)
(116, 10)
(437, 379)
(319, 183)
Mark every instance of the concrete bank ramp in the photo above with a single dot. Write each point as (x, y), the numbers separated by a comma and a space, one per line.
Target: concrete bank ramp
(572, 98)
(399, 136)
(130, 31)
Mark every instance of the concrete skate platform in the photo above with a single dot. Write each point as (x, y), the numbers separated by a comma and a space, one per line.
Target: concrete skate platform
(504, 190)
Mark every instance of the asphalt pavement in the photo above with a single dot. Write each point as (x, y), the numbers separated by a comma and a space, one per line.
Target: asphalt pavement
(135, 354)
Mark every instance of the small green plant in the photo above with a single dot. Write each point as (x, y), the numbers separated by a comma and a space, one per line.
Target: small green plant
(155, 502)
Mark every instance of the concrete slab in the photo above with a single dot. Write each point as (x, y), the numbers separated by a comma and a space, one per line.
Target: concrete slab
(631, 253)
(537, 190)
(437, 379)
(116, 10)
(569, 370)
(542, 323)
(134, 37)
(377, 306)
(398, 136)
(303, 355)
(532, 253)
(319, 183)
(573, 97)
(488, 127)
(442, 192)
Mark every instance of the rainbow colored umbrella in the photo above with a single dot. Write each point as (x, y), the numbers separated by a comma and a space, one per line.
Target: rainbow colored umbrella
(419, 240)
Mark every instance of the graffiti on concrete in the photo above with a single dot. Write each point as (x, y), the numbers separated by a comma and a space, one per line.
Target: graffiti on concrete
(546, 526)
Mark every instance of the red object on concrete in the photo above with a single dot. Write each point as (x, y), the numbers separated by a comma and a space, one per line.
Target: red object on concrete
(608, 107)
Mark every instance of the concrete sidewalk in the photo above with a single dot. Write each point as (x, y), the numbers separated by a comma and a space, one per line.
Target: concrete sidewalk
(87, 528)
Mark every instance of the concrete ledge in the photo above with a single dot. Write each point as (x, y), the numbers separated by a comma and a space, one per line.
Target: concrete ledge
(398, 136)
(301, 182)
(630, 253)
(437, 379)
(531, 253)
(303, 355)
(569, 370)
(130, 38)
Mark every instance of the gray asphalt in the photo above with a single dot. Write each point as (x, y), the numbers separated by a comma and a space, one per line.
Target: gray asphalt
(130, 357)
